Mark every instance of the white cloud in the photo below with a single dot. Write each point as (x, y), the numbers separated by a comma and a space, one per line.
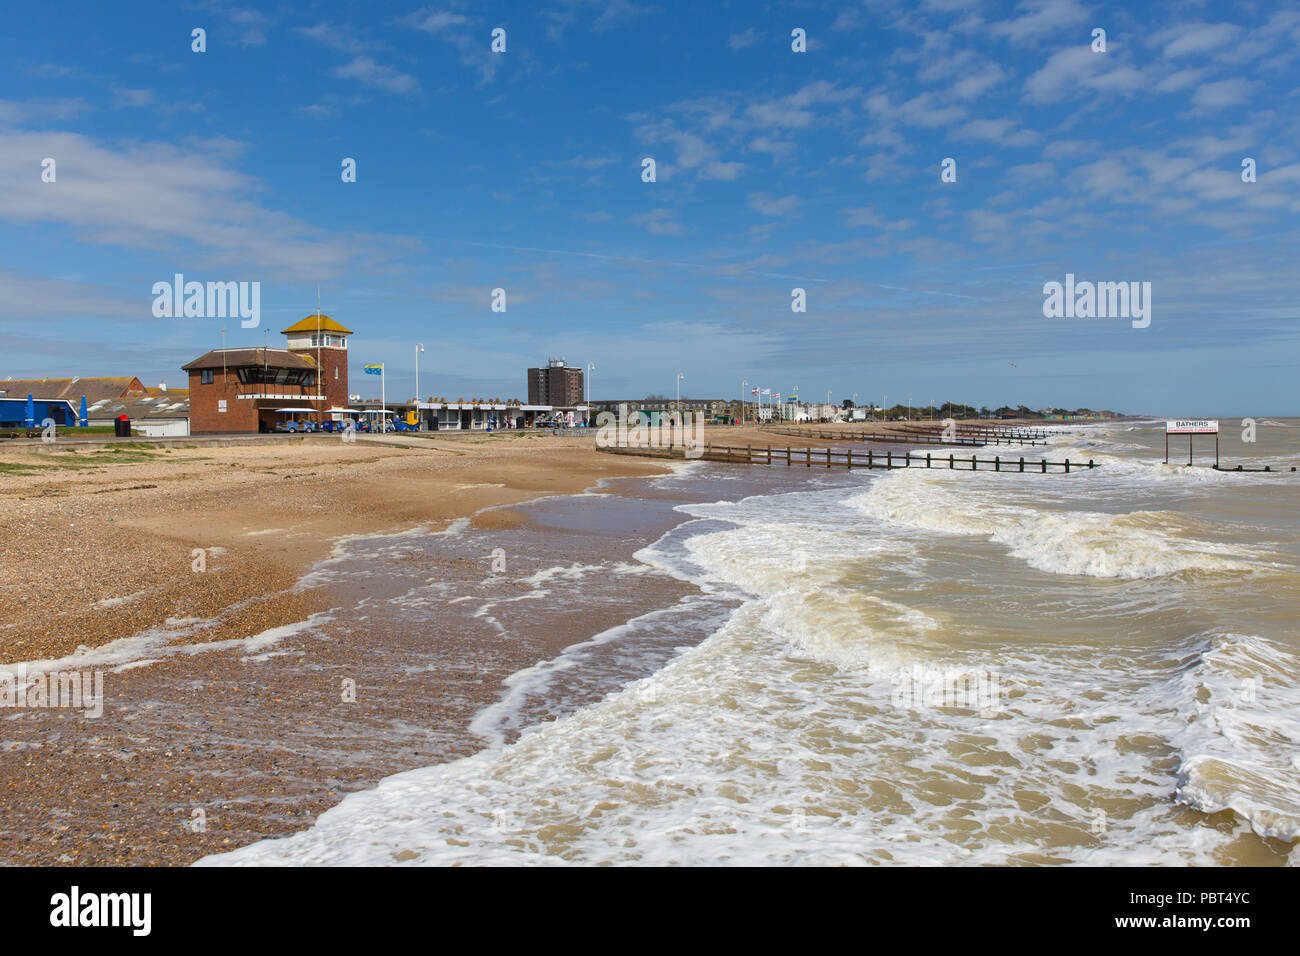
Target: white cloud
(365, 69)
(659, 222)
(1222, 93)
(866, 216)
(181, 202)
(1039, 18)
(770, 206)
(740, 41)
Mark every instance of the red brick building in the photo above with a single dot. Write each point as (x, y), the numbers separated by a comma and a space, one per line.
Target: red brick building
(252, 389)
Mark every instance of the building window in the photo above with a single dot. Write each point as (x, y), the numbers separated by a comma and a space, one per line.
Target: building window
(205, 377)
(255, 375)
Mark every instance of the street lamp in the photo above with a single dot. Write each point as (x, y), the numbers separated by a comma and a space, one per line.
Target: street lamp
(418, 349)
(909, 408)
(591, 367)
(744, 387)
(680, 376)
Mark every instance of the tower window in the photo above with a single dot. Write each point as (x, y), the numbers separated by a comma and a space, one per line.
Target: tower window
(205, 377)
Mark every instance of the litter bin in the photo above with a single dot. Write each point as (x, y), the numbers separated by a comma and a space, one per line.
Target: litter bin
(122, 427)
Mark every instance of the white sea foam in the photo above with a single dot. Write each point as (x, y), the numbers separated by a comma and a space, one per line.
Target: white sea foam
(1241, 706)
(1135, 545)
(157, 643)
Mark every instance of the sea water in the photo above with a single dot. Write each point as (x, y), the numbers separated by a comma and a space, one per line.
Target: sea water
(917, 667)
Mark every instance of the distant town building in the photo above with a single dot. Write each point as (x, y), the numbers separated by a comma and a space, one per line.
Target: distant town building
(253, 389)
(557, 384)
(152, 411)
(72, 389)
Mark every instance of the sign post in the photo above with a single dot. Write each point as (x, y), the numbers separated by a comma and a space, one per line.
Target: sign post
(1191, 427)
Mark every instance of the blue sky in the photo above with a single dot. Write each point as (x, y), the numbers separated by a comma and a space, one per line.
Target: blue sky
(775, 170)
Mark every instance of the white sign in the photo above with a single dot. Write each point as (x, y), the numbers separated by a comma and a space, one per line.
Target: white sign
(221, 404)
(1191, 426)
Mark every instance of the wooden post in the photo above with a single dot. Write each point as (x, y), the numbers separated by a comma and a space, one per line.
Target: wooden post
(927, 459)
(950, 464)
(1022, 463)
(1044, 466)
(848, 462)
(749, 454)
(889, 458)
(973, 465)
(1067, 466)
(997, 462)
(828, 456)
(870, 463)
(769, 454)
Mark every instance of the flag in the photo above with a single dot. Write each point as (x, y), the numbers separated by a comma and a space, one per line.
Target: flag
(753, 391)
(767, 391)
(374, 369)
(777, 396)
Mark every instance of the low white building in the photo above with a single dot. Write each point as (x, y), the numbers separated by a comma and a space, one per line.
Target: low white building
(479, 416)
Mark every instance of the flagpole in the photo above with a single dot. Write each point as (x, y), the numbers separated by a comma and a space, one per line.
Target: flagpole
(383, 401)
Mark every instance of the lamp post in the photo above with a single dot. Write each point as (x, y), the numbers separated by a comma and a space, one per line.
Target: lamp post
(591, 367)
(418, 349)
(884, 399)
(744, 387)
(909, 408)
(680, 376)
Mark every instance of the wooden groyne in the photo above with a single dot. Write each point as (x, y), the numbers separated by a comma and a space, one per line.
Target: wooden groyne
(1269, 468)
(848, 458)
(990, 431)
(909, 437)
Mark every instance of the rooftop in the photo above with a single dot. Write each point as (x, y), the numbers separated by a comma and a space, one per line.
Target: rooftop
(316, 323)
(241, 358)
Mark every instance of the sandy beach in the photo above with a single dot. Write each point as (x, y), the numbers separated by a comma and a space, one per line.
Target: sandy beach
(100, 546)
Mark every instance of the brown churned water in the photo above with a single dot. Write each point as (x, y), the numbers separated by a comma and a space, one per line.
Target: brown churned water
(919, 667)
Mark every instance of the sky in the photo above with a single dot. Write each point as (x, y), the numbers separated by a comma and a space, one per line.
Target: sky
(775, 169)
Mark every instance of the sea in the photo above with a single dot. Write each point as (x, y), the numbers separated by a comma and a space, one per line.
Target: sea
(919, 667)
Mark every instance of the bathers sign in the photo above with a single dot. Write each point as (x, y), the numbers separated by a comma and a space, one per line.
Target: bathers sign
(1190, 426)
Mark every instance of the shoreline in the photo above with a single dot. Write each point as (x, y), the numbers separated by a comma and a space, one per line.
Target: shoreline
(252, 746)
